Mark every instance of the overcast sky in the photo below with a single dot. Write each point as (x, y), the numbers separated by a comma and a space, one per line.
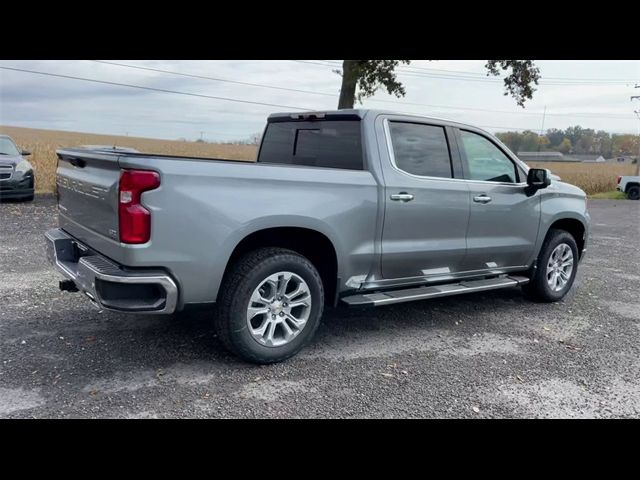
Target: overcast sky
(594, 94)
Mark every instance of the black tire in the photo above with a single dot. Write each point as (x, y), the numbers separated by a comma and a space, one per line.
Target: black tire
(633, 193)
(236, 290)
(538, 288)
(29, 198)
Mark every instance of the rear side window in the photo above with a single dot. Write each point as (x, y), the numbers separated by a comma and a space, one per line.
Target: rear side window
(421, 149)
(329, 144)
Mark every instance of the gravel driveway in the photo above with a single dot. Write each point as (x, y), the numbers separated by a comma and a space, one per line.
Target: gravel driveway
(490, 354)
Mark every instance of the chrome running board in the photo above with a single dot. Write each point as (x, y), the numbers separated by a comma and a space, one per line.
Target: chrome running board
(423, 293)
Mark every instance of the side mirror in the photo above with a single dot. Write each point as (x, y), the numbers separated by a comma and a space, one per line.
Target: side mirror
(538, 178)
(25, 153)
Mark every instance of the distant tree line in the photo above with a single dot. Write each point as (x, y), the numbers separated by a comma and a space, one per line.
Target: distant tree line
(576, 140)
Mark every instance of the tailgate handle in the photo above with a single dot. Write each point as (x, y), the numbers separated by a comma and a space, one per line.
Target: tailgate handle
(77, 162)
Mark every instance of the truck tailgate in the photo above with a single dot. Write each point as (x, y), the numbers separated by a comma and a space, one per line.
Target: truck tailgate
(87, 184)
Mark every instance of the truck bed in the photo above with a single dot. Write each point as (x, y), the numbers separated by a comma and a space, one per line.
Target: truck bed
(204, 207)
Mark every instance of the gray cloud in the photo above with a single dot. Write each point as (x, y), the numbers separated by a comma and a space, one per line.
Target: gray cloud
(47, 102)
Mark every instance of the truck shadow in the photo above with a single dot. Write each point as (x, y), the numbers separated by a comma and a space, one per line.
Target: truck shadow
(342, 324)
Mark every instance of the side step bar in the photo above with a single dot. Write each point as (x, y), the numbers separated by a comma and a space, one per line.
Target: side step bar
(422, 293)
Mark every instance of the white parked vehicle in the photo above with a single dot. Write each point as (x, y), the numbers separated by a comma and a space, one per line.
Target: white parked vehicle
(630, 186)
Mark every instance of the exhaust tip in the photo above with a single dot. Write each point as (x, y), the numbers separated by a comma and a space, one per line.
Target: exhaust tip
(67, 286)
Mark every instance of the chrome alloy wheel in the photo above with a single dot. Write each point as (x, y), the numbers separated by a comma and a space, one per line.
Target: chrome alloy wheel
(559, 267)
(279, 309)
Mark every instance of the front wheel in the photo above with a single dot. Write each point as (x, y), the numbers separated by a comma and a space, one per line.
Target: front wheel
(270, 305)
(556, 268)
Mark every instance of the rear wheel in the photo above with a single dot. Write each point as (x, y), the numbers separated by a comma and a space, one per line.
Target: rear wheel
(633, 193)
(270, 305)
(556, 268)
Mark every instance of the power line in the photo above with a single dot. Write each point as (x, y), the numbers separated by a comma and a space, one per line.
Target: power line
(173, 72)
(153, 89)
(483, 75)
(203, 77)
(408, 71)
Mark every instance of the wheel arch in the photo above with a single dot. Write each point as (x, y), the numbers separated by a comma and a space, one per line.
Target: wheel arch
(629, 185)
(576, 227)
(311, 243)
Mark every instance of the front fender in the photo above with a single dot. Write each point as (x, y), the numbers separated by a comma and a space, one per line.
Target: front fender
(564, 202)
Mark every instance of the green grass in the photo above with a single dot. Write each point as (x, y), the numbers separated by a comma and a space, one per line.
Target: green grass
(615, 195)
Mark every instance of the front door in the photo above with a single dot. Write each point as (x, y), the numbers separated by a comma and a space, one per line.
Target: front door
(504, 220)
(426, 209)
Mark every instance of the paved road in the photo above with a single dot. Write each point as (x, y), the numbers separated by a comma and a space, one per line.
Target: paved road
(490, 354)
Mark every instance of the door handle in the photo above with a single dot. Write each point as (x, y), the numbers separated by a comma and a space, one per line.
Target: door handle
(402, 197)
(482, 199)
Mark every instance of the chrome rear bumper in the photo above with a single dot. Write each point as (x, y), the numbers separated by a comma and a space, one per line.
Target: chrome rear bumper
(107, 284)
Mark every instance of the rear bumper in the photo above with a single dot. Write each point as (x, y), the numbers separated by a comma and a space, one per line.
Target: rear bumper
(108, 285)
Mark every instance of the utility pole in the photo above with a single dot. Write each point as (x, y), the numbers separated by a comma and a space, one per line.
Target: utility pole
(544, 114)
(201, 135)
(637, 112)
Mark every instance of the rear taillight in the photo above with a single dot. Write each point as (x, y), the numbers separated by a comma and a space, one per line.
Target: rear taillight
(619, 178)
(134, 219)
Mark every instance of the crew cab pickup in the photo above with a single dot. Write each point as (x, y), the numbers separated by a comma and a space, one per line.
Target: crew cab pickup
(630, 186)
(349, 207)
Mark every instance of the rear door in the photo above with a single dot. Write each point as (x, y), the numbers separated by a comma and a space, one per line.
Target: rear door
(504, 220)
(426, 207)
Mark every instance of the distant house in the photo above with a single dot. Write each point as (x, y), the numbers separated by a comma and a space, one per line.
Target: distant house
(544, 157)
(599, 159)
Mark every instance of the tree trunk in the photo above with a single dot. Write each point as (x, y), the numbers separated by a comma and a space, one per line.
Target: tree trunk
(349, 82)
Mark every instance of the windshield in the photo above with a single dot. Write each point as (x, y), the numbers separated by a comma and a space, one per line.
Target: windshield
(7, 147)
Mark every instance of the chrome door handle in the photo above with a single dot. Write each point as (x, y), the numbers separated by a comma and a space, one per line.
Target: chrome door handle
(482, 199)
(402, 197)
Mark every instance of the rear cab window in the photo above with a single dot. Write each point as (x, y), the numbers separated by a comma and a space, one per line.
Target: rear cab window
(322, 143)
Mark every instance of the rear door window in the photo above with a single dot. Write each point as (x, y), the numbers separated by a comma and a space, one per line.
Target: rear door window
(421, 149)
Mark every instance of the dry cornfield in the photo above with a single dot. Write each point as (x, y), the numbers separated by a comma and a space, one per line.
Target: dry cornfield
(44, 143)
(591, 177)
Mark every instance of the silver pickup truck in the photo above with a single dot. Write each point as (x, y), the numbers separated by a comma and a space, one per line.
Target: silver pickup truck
(355, 207)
